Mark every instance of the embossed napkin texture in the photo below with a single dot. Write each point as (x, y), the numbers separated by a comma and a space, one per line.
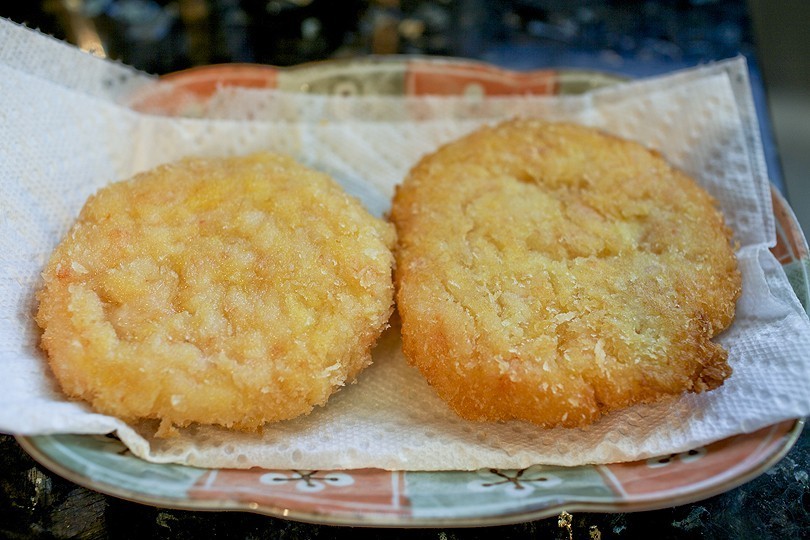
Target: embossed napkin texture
(64, 135)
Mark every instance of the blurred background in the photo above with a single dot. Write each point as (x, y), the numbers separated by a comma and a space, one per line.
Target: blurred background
(783, 49)
(632, 38)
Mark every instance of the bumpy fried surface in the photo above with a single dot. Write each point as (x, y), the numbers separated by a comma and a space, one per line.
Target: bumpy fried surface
(232, 291)
(551, 273)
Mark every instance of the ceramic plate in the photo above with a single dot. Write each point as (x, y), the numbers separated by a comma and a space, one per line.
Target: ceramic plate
(372, 497)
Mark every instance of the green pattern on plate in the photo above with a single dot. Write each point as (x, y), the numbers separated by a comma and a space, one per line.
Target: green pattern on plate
(106, 460)
(797, 272)
(499, 491)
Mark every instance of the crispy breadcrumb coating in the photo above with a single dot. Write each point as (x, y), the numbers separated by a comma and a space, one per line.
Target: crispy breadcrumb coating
(233, 291)
(552, 273)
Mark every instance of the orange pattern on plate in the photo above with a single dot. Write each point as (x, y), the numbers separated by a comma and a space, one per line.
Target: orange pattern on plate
(791, 245)
(183, 88)
(353, 491)
(709, 466)
(453, 79)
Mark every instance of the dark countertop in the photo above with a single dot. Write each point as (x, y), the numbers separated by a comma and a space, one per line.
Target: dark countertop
(636, 38)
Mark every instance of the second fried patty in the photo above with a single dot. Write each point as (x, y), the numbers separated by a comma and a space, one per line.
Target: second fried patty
(552, 272)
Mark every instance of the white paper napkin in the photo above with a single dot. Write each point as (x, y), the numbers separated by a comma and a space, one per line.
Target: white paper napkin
(61, 138)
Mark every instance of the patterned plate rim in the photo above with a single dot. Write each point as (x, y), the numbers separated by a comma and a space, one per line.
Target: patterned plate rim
(29, 444)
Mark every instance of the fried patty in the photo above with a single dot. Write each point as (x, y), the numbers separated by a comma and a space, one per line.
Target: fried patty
(552, 272)
(234, 291)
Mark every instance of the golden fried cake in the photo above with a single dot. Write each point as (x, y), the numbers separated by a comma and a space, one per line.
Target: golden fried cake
(232, 291)
(552, 272)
